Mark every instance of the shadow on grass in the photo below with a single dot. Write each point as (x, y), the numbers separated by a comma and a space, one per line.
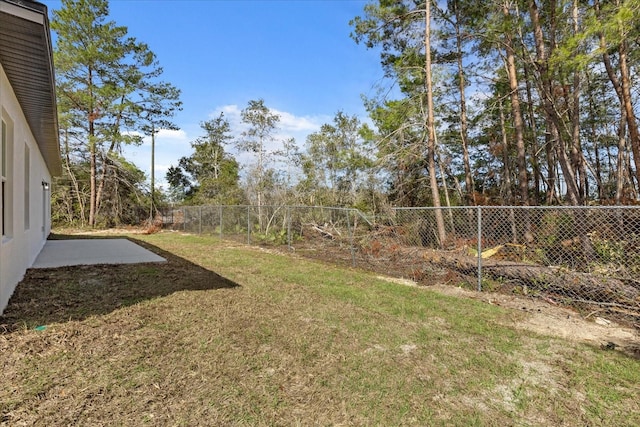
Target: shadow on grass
(53, 295)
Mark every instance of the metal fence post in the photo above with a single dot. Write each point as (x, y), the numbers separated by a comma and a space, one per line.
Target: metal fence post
(248, 225)
(479, 225)
(220, 222)
(184, 219)
(289, 227)
(199, 219)
(353, 249)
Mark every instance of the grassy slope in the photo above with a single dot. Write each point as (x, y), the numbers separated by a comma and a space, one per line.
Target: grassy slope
(296, 343)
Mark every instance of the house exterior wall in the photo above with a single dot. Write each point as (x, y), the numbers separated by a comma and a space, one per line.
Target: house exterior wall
(24, 235)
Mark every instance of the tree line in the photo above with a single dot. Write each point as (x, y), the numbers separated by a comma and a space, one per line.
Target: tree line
(499, 102)
(334, 168)
(532, 102)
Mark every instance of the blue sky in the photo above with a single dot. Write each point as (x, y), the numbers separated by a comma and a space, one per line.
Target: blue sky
(295, 54)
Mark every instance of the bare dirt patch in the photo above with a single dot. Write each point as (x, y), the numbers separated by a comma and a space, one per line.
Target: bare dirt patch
(545, 318)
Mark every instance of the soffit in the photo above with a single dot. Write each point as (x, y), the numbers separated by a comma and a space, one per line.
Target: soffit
(26, 57)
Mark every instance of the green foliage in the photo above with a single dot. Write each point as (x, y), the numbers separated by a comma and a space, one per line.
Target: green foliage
(337, 159)
(555, 227)
(609, 250)
(277, 238)
(262, 124)
(209, 175)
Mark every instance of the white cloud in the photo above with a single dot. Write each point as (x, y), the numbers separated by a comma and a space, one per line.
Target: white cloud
(166, 136)
(289, 126)
(293, 123)
(232, 110)
(177, 135)
(233, 114)
(288, 121)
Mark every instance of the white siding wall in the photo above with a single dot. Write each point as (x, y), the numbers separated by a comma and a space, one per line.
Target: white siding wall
(19, 250)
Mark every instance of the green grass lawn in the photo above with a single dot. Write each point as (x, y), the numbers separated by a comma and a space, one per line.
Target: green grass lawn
(223, 334)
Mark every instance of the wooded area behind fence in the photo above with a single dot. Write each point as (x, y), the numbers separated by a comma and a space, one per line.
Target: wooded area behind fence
(586, 257)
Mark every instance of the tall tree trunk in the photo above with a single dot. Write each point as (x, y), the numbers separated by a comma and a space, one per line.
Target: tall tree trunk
(632, 124)
(260, 182)
(549, 148)
(113, 147)
(622, 161)
(507, 173)
(537, 175)
(518, 125)
(92, 154)
(74, 180)
(594, 137)
(92, 178)
(431, 144)
(576, 146)
(468, 176)
(445, 188)
(153, 173)
(101, 183)
(518, 122)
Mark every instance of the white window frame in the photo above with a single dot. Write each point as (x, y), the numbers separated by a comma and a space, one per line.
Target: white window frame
(3, 173)
(27, 187)
(6, 156)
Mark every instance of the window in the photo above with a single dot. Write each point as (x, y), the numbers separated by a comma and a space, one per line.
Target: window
(27, 173)
(3, 176)
(5, 171)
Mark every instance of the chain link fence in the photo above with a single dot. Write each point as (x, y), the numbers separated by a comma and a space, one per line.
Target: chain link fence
(586, 257)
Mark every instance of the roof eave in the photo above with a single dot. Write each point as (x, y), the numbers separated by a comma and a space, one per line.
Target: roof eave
(26, 56)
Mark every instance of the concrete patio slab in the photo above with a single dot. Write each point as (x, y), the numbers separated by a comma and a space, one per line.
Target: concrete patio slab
(59, 253)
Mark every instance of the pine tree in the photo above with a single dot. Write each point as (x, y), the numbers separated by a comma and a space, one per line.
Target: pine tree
(107, 90)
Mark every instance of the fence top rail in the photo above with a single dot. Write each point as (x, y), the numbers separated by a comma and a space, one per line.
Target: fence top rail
(419, 208)
(565, 207)
(337, 208)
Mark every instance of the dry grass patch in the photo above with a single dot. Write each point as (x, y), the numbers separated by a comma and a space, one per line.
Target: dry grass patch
(229, 335)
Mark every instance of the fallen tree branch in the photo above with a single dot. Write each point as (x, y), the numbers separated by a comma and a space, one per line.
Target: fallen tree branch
(324, 230)
(586, 286)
